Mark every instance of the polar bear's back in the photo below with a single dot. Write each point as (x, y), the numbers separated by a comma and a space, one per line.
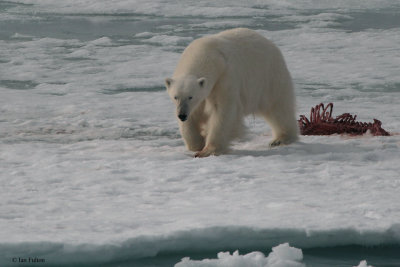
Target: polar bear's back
(257, 66)
(244, 38)
(249, 53)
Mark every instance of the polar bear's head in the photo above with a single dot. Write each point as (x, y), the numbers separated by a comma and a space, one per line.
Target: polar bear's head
(187, 93)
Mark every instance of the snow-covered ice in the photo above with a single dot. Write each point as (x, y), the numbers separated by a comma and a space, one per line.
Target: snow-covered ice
(93, 169)
(281, 256)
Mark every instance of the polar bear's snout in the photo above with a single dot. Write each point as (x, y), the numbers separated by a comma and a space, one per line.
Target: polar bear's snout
(183, 110)
(182, 117)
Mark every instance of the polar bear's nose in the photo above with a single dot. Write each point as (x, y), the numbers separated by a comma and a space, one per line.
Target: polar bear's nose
(182, 117)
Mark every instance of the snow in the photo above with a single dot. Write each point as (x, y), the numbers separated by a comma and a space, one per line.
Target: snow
(281, 256)
(363, 264)
(93, 169)
(168, 40)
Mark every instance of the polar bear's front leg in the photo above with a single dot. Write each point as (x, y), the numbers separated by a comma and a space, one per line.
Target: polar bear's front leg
(222, 126)
(191, 135)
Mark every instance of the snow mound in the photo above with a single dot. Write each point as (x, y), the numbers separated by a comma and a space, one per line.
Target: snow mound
(281, 256)
(363, 264)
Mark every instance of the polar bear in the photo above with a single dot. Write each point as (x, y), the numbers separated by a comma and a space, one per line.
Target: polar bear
(220, 79)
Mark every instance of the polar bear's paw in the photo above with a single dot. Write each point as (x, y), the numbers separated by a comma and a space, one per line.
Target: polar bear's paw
(204, 153)
(276, 142)
(281, 141)
(207, 151)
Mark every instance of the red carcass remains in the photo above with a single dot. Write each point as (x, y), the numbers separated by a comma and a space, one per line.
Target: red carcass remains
(322, 123)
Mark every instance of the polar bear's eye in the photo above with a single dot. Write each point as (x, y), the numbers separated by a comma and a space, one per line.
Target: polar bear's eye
(176, 98)
(190, 97)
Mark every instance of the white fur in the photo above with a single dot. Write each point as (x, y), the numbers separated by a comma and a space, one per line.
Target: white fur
(221, 78)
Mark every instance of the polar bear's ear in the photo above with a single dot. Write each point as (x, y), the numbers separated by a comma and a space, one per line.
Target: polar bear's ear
(202, 82)
(168, 82)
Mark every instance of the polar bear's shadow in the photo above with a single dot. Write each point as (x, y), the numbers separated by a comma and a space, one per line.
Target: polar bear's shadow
(300, 148)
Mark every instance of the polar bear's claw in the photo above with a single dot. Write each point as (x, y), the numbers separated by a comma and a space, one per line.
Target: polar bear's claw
(276, 142)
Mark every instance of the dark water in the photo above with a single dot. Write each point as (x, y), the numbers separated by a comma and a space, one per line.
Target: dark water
(340, 256)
